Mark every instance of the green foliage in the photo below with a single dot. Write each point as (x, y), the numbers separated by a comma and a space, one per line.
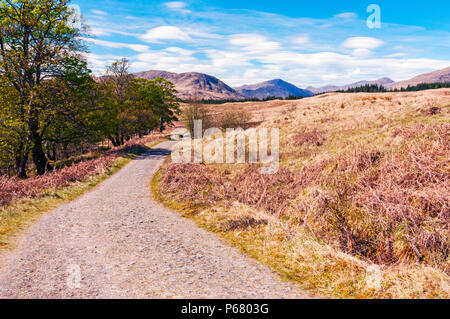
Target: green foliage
(424, 86)
(369, 88)
(50, 104)
(38, 42)
(269, 98)
(130, 107)
(376, 88)
(11, 128)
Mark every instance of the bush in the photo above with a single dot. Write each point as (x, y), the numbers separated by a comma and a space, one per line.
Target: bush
(234, 119)
(387, 208)
(194, 112)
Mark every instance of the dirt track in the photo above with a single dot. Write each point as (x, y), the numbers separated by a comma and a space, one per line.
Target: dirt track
(128, 246)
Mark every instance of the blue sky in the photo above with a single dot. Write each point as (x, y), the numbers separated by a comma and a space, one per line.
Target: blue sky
(242, 42)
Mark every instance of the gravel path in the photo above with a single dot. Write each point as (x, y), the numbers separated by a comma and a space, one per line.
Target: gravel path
(122, 244)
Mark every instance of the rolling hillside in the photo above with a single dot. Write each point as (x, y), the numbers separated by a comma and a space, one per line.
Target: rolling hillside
(440, 76)
(278, 88)
(195, 85)
(332, 88)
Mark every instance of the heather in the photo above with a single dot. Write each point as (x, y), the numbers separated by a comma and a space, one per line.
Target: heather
(76, 170)
(364, 180)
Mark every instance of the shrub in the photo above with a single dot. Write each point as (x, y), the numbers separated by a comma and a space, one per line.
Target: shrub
(385, 207)
(12, 189)
(234, 119)
(197, 111)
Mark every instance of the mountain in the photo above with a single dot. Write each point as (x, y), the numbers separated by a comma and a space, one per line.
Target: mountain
(440, 76)
(386, 82)
(195, 85)
(278, 88)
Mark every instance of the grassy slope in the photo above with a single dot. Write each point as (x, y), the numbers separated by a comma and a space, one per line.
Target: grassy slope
(19, 215)
(345, 122)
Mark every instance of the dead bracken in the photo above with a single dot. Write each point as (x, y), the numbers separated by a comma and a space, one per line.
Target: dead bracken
(386, 207)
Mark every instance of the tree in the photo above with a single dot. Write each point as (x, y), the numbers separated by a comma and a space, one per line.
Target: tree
(37, 42)
(130, 107)
(12, 133)
(71, 106)
(167, 105)
(196, 111)
(113, 89)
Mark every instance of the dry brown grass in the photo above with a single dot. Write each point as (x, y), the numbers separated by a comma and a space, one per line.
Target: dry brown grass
(388, 208)
(312, 137)
(12, 189)
(360, 185)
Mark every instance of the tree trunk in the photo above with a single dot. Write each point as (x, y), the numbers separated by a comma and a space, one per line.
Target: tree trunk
(161, 124)
(39, 158)
(66, 153)
(21, 166)
(115, 141)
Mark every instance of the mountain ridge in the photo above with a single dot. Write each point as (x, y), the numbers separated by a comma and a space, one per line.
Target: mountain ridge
(194, 85)
(332, 88)
(438, 76)
(276, 87)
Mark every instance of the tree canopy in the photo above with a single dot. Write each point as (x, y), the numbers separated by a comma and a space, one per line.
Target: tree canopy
(51, 104)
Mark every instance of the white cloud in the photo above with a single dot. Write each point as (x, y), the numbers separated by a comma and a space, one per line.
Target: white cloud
(346, 15)
(396, 55)
(177, 6)
(156, 35)
(169, 59)
(303, 51)
(118, 45)
(300, 40)
(254, 43)
(96, 31)
(362, 43)
(361, 52)
(98, 63)
(99, 12)
(227, 59)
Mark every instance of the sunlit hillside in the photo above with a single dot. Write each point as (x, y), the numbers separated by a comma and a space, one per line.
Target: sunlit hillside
(360, 206)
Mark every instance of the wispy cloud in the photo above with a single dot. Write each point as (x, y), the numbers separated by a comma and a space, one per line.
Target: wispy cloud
(164, 33)
(179, 6)
(99, 12)
(118, 45)
(347, 15)
(362, 43)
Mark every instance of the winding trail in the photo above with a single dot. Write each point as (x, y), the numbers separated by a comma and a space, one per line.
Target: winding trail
(128, 246)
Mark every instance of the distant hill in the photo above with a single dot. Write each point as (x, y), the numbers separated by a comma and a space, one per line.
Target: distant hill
(440, 76)
(278, 88)
(195, 85)
(206, 87)
(386, 82)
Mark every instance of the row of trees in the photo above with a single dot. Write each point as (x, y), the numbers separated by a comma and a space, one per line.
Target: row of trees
(268, 98)
(48, 99)
(374, 88)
